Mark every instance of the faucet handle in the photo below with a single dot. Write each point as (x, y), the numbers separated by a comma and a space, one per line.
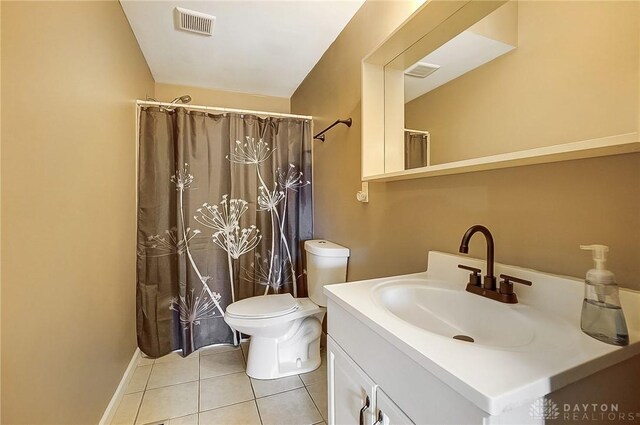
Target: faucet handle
(474, 277)
(506, 285)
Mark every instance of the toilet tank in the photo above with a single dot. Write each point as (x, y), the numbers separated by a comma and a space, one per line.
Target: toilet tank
(326, 264)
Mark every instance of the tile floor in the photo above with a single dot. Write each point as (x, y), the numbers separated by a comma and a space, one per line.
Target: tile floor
(210, 387)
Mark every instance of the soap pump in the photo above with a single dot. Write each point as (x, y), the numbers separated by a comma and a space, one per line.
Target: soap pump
(602, 316)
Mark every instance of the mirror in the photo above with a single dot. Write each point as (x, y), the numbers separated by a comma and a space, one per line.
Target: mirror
(530, 74)
(496, 84)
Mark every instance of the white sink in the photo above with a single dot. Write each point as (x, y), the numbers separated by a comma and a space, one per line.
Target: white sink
(454, 313)
(520, 351)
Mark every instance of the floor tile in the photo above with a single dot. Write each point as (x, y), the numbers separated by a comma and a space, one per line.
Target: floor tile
(184, 420)
(145, 361)
(224, 390)
(318, 392)
(176, 356)
(291, 408)
(139, 379)
(127, 409)
(318, 375)
(221, 364)
(168, 402)
(263, 388)
(215, 349)
(171, 373)
(238, 414)
(244, 345)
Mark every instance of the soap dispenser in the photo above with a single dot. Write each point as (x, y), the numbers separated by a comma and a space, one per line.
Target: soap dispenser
(602, 316)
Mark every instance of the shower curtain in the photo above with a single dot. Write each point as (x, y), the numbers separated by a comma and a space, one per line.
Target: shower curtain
(223, 203)
(416, 147)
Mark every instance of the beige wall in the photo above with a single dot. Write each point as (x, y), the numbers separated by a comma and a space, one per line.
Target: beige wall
(538, 214)
(225, 99)
(70, 74)
(546, 91)
(0, 216)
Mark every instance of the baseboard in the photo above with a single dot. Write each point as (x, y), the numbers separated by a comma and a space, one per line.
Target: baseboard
(110, 411)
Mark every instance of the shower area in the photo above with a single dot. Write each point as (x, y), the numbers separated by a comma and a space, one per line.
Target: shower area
(224, 200)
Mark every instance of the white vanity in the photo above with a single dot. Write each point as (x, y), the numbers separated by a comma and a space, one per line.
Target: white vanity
(391, 342)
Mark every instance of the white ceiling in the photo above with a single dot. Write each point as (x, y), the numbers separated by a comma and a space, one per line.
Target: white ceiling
(259, 47)
(463, 53)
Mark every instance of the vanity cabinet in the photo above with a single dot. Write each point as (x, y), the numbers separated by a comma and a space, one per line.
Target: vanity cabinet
(377, 348)
(388, 413)
(354, 398)
(361, 364)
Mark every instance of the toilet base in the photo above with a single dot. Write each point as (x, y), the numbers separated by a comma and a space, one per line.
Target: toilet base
(298, 351)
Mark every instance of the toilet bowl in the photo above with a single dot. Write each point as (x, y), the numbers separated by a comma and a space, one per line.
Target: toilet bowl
(285, 331)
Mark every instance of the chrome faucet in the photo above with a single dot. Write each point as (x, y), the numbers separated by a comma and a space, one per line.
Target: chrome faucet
(505, 293)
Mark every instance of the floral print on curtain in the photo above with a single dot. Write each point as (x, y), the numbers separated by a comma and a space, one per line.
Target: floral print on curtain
(238, 205)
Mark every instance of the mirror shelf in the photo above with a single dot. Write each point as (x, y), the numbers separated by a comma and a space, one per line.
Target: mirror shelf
(431, 26)
(605, 146)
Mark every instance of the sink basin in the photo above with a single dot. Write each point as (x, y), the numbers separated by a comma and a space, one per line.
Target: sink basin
(453, 313)
(521, 352)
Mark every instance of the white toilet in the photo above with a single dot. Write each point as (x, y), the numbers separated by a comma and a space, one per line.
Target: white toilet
(285, 331)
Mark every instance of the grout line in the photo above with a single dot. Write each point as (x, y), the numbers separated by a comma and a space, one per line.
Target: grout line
(221, 352)
(314, 403)
(146, 384)
(135, 418)
(306, 387)
(280, 392)
(169, 385)
(226, 374)
(144, 392)
(225, 406)
(251, 383)
(255, 401)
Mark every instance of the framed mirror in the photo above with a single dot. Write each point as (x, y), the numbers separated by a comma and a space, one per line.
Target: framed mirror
(477, 85)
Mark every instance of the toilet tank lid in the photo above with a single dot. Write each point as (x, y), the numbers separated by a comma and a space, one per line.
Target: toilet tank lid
(324, 248)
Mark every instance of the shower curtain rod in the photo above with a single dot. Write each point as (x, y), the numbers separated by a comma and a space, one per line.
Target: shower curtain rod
(217, 109)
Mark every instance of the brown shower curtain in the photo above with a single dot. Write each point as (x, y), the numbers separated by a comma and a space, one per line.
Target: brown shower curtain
(223, 201)
(416, 147)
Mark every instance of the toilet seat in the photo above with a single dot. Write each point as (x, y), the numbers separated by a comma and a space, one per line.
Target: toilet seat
(263, 307)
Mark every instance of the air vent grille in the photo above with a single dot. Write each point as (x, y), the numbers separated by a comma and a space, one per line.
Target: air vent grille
(421, 70)
(192, 21)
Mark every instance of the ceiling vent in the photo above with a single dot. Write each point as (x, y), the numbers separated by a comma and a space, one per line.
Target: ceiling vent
(192, 21)
(421, 70)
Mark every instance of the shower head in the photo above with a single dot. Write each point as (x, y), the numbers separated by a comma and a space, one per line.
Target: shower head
(182, 99)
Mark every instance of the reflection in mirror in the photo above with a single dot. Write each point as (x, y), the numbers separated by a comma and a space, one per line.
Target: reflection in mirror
(416, 149)
(531, 74)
